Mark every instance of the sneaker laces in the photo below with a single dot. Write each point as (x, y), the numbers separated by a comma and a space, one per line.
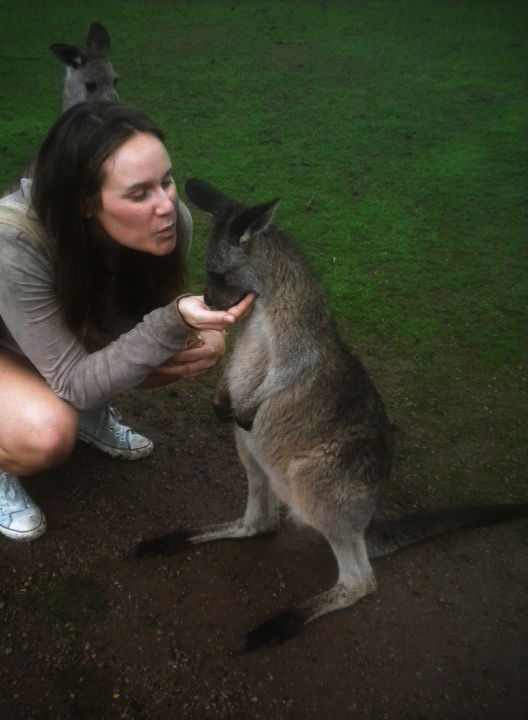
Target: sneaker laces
(109, 423)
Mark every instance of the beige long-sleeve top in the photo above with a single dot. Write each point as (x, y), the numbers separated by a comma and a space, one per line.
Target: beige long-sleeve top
(31, 321)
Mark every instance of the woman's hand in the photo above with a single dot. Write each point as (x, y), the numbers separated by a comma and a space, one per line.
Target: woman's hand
(197, 359)
(197, 314)
(189, 363)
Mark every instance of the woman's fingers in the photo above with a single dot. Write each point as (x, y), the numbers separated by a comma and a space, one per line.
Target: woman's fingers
(197, 314)
(243, 307)
(196, 360)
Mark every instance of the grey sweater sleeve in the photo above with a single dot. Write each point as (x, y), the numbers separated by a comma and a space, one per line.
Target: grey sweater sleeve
(31, 323)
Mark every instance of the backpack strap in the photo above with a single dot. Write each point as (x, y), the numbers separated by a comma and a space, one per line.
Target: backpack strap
(19, 216)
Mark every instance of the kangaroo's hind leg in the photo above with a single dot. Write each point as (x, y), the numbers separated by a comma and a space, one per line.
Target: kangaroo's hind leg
(262, 515)
(355, 580)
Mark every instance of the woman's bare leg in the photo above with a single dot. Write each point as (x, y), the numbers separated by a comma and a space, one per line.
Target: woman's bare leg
(37, 429)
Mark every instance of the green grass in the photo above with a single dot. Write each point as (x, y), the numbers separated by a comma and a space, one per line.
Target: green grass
(393, 132)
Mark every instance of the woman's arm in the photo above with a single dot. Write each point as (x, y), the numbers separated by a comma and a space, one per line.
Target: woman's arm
(30, 312)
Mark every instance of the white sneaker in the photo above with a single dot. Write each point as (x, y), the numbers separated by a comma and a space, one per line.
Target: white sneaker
(101, 429)
(20, 518)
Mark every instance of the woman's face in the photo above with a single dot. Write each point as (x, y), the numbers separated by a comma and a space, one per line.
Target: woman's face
(137, 201)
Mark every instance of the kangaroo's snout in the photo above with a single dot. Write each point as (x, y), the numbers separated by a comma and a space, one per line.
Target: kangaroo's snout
(218, 295)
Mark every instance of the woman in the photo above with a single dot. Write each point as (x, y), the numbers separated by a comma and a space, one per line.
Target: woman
(92, 257)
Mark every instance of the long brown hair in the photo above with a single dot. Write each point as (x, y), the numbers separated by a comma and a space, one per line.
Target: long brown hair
(68, 178)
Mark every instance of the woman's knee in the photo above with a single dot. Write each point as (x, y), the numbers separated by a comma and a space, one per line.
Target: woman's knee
(51, 434)
(37, 429)
(44, 437)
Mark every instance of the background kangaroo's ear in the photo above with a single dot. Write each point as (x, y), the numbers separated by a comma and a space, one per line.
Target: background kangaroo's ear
(98, 39)
(68, 55)
(206, 197)
(254, 220)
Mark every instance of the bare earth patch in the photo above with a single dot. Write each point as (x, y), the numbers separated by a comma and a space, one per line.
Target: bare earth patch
(89, 633)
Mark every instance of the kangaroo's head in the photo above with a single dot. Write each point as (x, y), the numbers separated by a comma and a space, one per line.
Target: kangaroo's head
(230, 270)
(89, 75)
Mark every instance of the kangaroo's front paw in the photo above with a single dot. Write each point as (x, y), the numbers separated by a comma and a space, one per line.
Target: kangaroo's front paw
(223, 412)
(243, 423)
(246, 418)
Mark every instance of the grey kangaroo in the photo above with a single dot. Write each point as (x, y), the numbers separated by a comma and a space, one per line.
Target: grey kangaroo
(89, 73)
(89, 77)
(312, 430)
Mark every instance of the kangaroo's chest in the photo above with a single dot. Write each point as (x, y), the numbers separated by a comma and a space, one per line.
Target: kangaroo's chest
(252, 359)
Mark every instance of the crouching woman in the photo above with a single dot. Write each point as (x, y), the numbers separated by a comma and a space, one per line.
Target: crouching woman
(92, 258)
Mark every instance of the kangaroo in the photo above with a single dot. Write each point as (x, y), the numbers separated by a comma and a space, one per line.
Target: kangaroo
(312, 431)
(89, 73)
(89, 77)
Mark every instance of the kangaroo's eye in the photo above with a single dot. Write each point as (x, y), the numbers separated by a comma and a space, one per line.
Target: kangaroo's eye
(90, 86)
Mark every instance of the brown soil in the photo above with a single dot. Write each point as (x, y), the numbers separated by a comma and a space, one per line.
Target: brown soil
(89, 633)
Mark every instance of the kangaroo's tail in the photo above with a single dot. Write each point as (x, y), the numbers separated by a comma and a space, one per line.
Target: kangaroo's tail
(385, 537)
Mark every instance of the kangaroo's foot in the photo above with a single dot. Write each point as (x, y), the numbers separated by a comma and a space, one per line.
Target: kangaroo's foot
(178, 540)
(284, 625)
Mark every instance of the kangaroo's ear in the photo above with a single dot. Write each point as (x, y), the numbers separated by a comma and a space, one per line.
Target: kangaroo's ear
(254, 220)
(98, 39)
(68, 55)
(206, 197)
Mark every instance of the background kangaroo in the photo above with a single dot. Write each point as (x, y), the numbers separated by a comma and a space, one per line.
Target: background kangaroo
(312, 430)
(89, 73)
(89, 77)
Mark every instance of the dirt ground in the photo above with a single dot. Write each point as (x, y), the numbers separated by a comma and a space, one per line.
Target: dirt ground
(89, 633)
